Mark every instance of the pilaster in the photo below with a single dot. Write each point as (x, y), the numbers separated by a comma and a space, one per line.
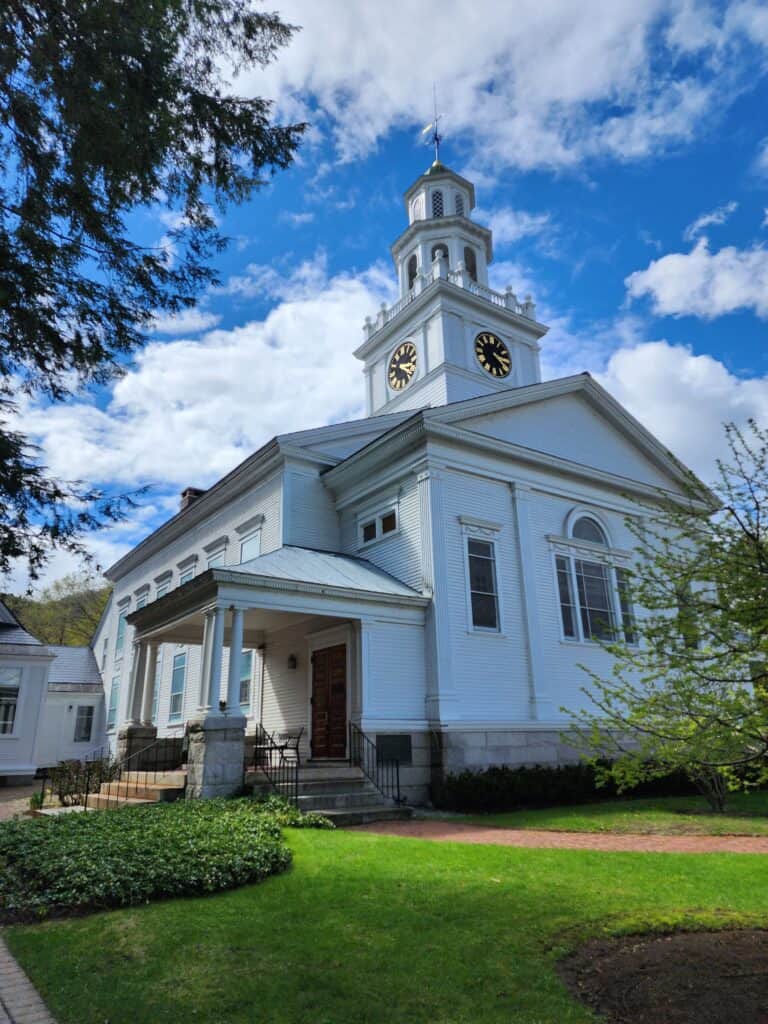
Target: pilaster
(522, 500)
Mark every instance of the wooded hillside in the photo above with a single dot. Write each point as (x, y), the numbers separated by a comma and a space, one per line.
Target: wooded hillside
(66, 612)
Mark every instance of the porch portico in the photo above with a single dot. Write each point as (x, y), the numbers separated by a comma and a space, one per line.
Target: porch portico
(317, 621)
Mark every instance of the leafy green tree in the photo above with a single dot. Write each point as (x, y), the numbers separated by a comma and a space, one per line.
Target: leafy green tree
(692, 693)
(66, 612)
(108, 110)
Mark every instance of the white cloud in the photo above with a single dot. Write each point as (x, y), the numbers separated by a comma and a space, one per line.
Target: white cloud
(684, 398)
(297, 219)
(188, 321)
(552, 85)
(717, 216)
(509, 225)
(703, 283)
(192, 409)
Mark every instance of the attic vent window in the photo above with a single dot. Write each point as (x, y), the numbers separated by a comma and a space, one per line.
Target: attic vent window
(381, 525)
(437, 203)
(459, 204)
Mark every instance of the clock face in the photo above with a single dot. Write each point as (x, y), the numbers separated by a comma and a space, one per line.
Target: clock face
(402, 366)
(492, 354)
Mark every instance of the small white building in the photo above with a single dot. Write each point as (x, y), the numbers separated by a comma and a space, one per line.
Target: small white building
(72, 723)
(433, 574)
(24, 665)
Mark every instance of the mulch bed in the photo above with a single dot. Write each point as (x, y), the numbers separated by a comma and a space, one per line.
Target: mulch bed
(684, 978)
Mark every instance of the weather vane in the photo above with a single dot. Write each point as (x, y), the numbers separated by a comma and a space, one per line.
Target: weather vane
(432, 130)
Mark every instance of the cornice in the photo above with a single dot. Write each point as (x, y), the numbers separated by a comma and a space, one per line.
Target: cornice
(439, 226)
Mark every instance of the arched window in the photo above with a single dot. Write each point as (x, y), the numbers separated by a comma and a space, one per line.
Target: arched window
(441, 249)
(413, 269)
(459, 204)
(586, 528)
(437, 203)
(470, 262)
(594, 592)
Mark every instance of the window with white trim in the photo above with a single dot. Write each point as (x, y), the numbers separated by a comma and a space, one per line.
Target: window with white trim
(178, 679)
(412, 269)
(250, 546)
(84, 723)
(142, 598)
(121, 624)
(376, 526)
(114, 694)
(10, 687)
(158, 681)
(187, 575)
(481, 576)
(459, 200)
(104, 649)
(246, 674)
(217, 558)
(437, 203)
(594, 595)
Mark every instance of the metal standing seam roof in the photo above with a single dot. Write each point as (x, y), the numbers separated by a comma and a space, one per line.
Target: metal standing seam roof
(73, 665)
(325, 568)
(12, 631)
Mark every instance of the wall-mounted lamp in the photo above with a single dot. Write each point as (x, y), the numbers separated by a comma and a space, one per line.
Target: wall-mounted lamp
(293, 661)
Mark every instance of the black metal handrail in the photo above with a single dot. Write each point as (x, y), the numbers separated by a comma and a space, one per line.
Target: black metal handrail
(384, 773)
(74, 782)
(281, 772)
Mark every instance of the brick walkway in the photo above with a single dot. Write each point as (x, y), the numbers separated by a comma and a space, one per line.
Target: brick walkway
(19, 1002)
(451, 831)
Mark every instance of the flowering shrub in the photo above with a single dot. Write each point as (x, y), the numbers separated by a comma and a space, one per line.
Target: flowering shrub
(81, 861)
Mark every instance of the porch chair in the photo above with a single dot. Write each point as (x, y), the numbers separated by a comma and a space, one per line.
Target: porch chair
(290, 743)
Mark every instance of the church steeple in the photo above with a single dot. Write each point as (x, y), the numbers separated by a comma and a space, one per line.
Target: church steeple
(449, 336)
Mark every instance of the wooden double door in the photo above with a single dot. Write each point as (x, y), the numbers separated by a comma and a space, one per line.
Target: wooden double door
(329, 702)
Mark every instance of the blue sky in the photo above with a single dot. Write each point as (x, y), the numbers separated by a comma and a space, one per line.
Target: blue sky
(620, 154)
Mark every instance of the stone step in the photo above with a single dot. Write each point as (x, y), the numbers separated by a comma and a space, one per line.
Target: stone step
(312, 787)
(366, 815)
(142, 791)
(102, 802)
(177, 778)
(363, 797)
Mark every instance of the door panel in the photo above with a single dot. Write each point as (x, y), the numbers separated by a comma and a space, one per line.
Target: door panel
(329, 702)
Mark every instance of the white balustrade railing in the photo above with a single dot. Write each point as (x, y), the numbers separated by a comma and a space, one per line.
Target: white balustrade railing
(460, 279)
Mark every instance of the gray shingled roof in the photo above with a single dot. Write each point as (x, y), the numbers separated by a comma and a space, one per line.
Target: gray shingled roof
(305, 565)
(12, 631)
(73, 665)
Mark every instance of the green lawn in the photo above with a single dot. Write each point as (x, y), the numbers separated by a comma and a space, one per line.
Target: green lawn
(367, 929)
(675, 815)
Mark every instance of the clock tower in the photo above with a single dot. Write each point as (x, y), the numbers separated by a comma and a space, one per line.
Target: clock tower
(449, 336)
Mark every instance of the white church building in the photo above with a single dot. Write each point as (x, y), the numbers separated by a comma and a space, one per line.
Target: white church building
(433, 574)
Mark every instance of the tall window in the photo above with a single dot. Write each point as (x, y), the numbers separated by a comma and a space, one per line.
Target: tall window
(84, 724)
(120, 641)
(177, 687)
(10, 684)
(250, 547)
(246, 673)
(459, 204)
(158, 681)
(470, 262)
(437, 203)
(594, 594)
(481, 564)
(114, 694)
(413, 269)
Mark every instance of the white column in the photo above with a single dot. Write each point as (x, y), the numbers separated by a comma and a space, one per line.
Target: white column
(205, 658)
(214, 668)
(136, 690)
(235, 659)
(526, 551)
(150, 681)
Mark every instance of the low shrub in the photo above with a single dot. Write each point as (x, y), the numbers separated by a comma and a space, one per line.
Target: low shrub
(288, 816)
(501, 788)
(80, 861)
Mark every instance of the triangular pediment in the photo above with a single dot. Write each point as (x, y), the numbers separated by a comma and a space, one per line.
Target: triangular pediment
(573, 419)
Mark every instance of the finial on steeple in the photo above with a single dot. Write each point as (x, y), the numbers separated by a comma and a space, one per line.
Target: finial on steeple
(432, 130)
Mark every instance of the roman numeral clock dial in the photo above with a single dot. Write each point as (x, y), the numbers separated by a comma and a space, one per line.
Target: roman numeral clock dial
(492, 354)
(402, 366)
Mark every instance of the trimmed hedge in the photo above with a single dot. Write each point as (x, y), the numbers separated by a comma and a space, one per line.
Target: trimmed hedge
(502, 788)
(87, 861)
